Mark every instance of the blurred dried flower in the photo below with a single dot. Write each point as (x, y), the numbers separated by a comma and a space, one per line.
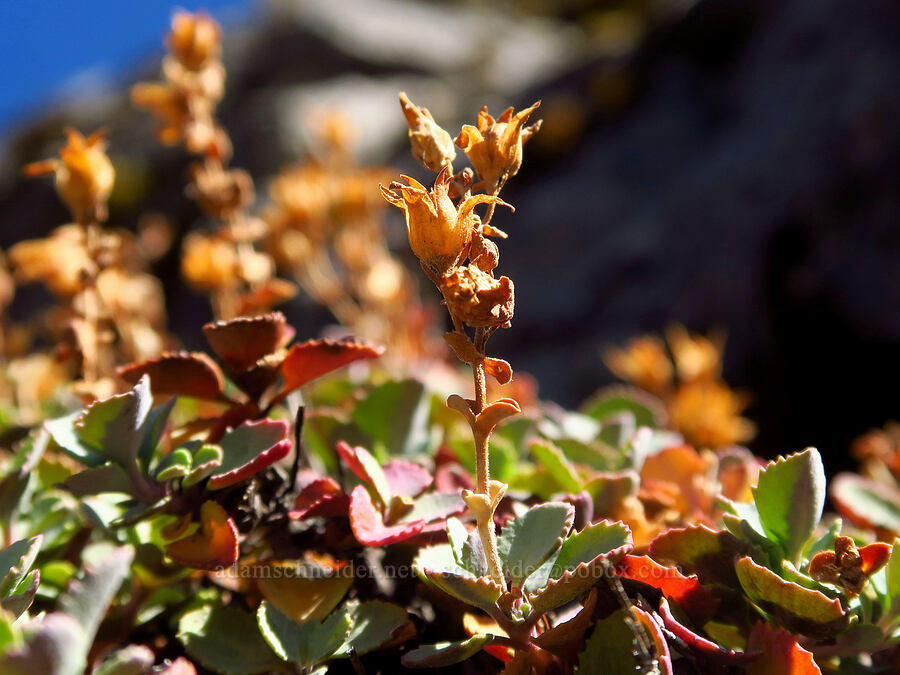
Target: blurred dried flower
(696, 357)
(439, 234)
(84, 175)
(208, 262)
(644, 362)
(194, 39)
(60, 261)
(431, 145)
(708, 413)
(494, 147)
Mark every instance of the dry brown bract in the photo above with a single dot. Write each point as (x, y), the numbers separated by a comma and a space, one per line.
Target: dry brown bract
(477, 298)
(439, 232)
(494, 147)
(431, 145)
(84, 175)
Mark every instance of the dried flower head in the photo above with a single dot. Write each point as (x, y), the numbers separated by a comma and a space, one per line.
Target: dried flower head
(194, 39)
(644, 362)
(494, 147)
(708, 413)
(431, 145)
(696, 357)
(439, 233)
(477, 298)
(84, 175)
(60, 261)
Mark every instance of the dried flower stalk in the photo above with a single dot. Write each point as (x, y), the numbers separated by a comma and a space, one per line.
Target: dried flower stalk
(445, 235)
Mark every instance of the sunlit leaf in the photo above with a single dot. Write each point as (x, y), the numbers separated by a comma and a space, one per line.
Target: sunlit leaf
(445, 653)
(179, 373)
(311, 359)
(213, 546)
(780, 653)
(243, 341)
(368, 523)
(525, 543)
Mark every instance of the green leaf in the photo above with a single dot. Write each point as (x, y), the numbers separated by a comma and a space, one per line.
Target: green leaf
(206, 461)
(106, 478)
(130, 660)
(174, 465)
(648, 411)
(467, 549)
(529, 540)
(892, 581)
(226, 640)
(790, 497)
(88, 598)
(610, 648)
(14, 485)
(375, 623)
(697, 549)
(395, 415)
(595, 539)
(800, 610)
(62, 430)
(865, 502)
(55, 645)
(307, 644)
(114, 427)
(242, 444)
(434, 506)
(553, 459)
(15, 561)
(20, 599)
(152, 432)
(446, 653)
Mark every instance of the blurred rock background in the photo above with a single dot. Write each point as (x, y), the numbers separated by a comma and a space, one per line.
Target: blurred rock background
(722, 163)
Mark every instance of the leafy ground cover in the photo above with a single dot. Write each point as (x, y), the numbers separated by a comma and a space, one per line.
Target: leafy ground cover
(292, 504)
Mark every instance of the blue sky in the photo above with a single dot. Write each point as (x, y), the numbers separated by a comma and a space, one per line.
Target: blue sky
(48, 46)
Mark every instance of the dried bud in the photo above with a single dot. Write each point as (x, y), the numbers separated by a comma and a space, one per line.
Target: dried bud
(495, 147)
(84, 175)
(477, 298)
(220, 193)
(439, 234)
(209, 263)
(431, 145)
(194, 39)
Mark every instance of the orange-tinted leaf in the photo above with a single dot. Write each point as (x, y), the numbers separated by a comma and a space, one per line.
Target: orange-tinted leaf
(499, 369)
(241, 342)
(874, 557)
(800, 609)
(254, 466)
(321, 497)
(682, 466)
(311, 359)
(361, 462)
(698, 602)
(213, 546)
(781, 654)
(463, 347)
(701, 644)
(701, 550)
(406, 479)
(179, 373)
(304, 598)
(650, 625)
(475, 624)
(368, 524)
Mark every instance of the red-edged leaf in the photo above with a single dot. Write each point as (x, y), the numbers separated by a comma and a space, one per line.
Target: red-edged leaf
(361, 462)
(231, 419)
(213, 546)
(179, 373)
(803, 610)
(254, 466)
(452, 478)
(701, 644)
(406, 479)
(781, 653)
(648, 621)
(311, 359)
(698, 602)
(248, 449)
(368, 524)
(241, 342)
(874, 557)
(700, 550)
(321, 497)
(867, 503)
